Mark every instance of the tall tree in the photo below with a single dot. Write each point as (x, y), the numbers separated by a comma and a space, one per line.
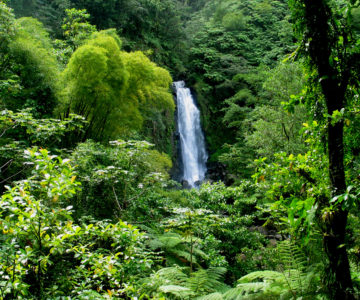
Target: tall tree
(328, 44)
(112, 89)
(95, 79)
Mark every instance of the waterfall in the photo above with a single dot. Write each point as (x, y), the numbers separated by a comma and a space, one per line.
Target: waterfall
(192, 142)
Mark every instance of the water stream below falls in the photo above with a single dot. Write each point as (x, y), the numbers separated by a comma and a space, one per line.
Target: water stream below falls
(192, 142)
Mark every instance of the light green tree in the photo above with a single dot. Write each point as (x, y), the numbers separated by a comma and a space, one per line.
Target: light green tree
(112, 89)
(95, 80)
(76, 27)
(149, 87)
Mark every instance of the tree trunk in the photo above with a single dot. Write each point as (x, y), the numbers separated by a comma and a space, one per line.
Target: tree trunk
(338, 278)
(321, 36)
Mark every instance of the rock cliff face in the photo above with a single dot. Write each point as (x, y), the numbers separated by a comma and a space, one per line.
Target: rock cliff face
(177, 169)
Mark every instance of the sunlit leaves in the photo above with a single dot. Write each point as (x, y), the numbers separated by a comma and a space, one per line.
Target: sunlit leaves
(42, 248)
(293, 185)
(95, 78)
(76, 27)
(114, 89)
(148, 83)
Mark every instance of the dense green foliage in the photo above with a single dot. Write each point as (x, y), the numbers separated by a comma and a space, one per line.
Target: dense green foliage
(230, 40)
(30, 68)
(88, 209)
(143, 24)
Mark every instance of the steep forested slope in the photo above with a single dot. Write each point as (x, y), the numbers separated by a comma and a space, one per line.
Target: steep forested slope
(232, 46)
(143, 25)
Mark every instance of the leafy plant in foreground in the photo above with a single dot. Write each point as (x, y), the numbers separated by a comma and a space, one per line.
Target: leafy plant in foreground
(45, 255)
(178, 283)
(293, 280)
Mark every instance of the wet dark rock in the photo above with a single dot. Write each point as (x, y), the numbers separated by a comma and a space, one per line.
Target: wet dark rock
(273, 243)
(197, 183)
(185, 184)
(217, 171)
(270, 234)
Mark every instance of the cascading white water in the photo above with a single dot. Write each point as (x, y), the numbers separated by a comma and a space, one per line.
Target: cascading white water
(192, 142)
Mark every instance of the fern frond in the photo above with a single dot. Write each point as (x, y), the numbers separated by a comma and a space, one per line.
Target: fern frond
(245, 289)
(192, 239)
(213, 296)
(170, 240)
(172, 275)
(175, 282)
(264, 276)
(176, 290)
(292, 281)
(176, 249)
(200, 253)
(216, 272)
(199, 283)
(291, 256)
(206, 281)
(155, 244)
(295, 279)
(184, 254)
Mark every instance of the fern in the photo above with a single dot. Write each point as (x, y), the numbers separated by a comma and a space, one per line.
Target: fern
(173, 275)
(265, 276)
(244, 290)
(294, 266)
(185, 254)
(213, 296)
(177, 249)
(170, 240)
(177, 291)
(206, 281)
(177, 283)
(291, 256)
(291, 282)
(200, 253)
